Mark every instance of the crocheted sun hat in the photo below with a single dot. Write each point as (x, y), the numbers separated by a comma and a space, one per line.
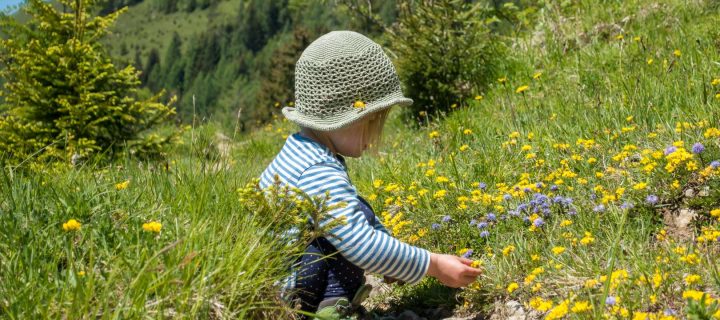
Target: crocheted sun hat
(341, 77)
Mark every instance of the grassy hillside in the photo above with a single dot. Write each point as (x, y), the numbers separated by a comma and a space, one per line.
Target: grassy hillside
(584, 183)
(145, 27)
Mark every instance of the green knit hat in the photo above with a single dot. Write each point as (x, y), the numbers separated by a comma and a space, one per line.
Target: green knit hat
(341, 77)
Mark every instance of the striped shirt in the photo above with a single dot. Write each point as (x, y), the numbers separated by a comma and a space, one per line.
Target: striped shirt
(314, 169)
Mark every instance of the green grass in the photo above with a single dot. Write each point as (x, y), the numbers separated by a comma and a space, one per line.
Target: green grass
(594, 86)
(212, 256)
(143, 27)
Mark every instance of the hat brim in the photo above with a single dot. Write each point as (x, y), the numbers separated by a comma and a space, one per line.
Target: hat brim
(341, 120)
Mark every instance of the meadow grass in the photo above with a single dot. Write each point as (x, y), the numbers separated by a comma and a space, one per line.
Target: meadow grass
(547, 185)
(211, 257)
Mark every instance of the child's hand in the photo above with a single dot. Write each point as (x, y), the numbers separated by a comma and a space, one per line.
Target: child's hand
(452, 271)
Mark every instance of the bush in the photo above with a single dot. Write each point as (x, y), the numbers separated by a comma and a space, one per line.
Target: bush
(63, 97)
(446, 52)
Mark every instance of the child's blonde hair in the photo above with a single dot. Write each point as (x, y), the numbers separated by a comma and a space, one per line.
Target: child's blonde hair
(374, 129)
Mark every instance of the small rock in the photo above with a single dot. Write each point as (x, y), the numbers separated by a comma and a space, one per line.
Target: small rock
(704, 192)
(379, 287)
(511, 310)
(515, 310)
(689, 193)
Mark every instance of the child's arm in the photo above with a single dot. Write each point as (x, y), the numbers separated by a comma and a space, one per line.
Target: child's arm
(378, 252)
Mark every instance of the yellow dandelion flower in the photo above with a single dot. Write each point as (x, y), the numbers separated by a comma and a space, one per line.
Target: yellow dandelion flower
(677, 53)
(558, 250)
(692, 279)
(502, 80)
(152, 226)
(434, 134)
(537, 75)
(591, 283)
(640, 186)
(521, 89)
(581, 307)
(508, 250)
(122, 185)
(478, 97)
(71, 225)
(467, 132)
(650, 61)
(359, 104)
(512, 287)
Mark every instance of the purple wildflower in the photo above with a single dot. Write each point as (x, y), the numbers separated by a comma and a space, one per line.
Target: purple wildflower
(527, 190)
(610, 301)
(670, 150)
(507, 197)
(539, 185)
(522, 207)
(491, 216)
(627, 205)
(482, 186)
(473, 222)
(435, 226)
(670, 312)
(538, 222)
(484, 234)
(446, 219)
(698, 148)
(482, 225)
(553, 188)
(715, 164)
(599, 208)
(652, 199)
(467, 253)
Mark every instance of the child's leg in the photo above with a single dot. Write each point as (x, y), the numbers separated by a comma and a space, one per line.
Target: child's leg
(312, 276)
(343, 277)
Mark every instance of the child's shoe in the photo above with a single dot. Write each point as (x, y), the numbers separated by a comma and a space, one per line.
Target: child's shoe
(343, 309)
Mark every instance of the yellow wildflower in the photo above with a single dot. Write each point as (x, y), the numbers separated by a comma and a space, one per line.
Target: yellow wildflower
(692, 279)
(591, 283)
(640, 186)
(122, 185)
(560, 311)
(580, 307)
(152, 226)
(71, 225)
(521, 89)
(512, 287)
(508, 250)
(558, 250)
(540, 304)
(359, 104)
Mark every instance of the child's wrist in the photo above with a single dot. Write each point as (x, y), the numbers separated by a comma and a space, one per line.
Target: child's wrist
(432, 268)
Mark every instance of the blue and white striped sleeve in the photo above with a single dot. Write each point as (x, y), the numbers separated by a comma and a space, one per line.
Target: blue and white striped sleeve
(379, 226)
(359, 242)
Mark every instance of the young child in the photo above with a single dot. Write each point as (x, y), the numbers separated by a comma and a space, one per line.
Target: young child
(344, 87)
